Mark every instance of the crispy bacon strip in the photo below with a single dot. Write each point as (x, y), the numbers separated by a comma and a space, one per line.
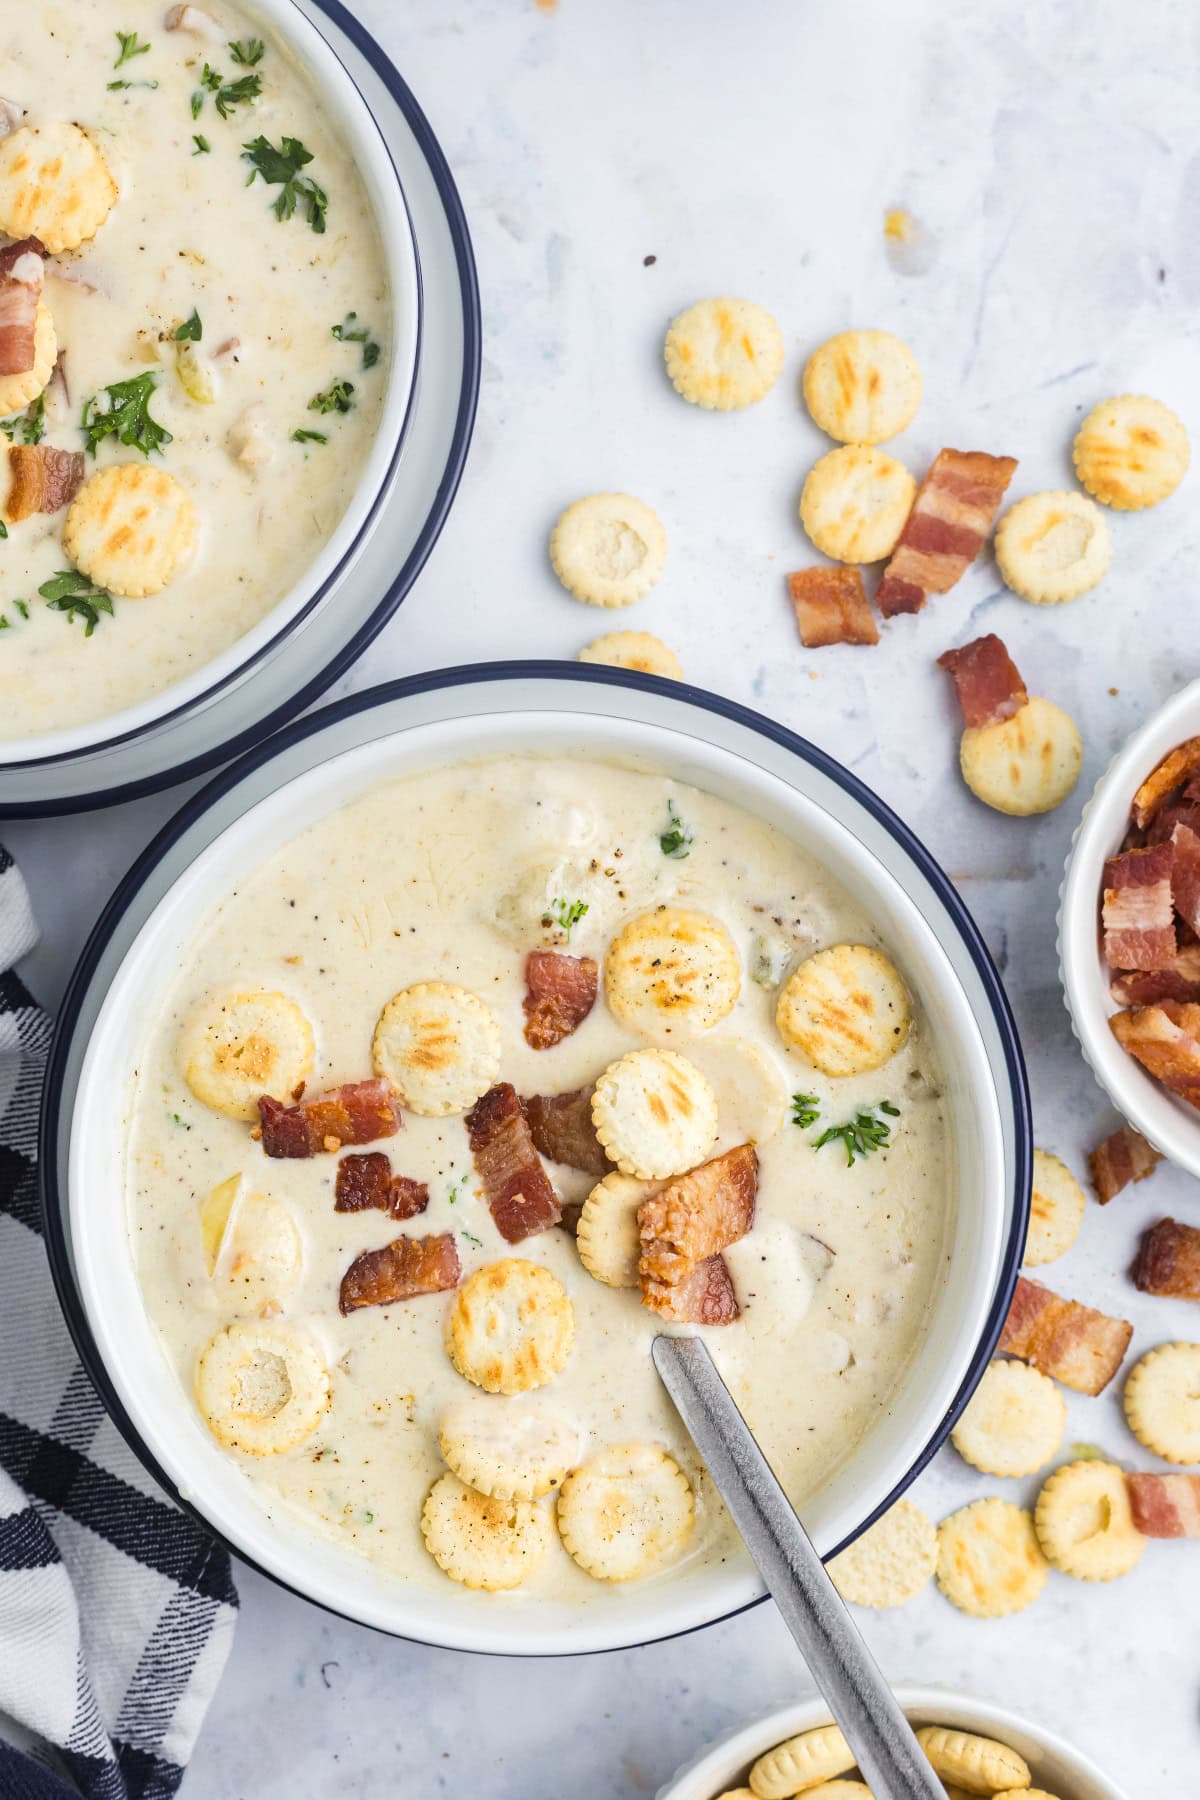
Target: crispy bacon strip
(1168, 1261)
(519, 1193)
(1138, 916)
(1165, 1506)
(955, 508)
(22, 272)
(1165, 1038)
(705, 1297)
(1080, 1347)
(400, 1271)
(1122, 1158)
(1144, 987)
(831, 607)
(43, 479)
(366, 1181)
(357, 1113)
(986, 681)
(1185, 873)
(560, 993)
(694, 1218)
(561, 1128)
(1176, 768)
(1175, 812)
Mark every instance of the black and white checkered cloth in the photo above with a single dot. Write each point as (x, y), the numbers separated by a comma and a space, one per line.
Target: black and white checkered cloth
(116, 1612)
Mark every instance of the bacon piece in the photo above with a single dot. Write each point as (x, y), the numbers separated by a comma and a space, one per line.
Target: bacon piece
(1185, 873)
(43, 479)
(22, 273)
(1175, 769)
(1138, 916)
(705, 1297)
(401, 1270)
(1080, 1347)
(560, 993)
(357, 1113)
(831, 607)
(1122, 1158)
(1175, 812)
(1143, 987)
(692, 1219)
(1165, 1506)
(1168, 1261)
(561, 1128)
(954, 510)
(1165, 1038)
(986, 681)
(364, 1181)
(519, 1193)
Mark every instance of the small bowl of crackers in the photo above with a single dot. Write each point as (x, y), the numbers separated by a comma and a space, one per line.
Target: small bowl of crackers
(976, 1747)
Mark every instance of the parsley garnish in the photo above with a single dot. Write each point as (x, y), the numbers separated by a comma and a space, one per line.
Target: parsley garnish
(191, 329)
(3, 529)
(122, 410)
(472, 1239)
(338, 398)
(567, 914)
(29, 425)
(281, 168)
(197, 102)
(863, 1134)
(116, 87)
(210, 79)
(202, 146)
(5, 622)
(309, 437)
(130, 47)
(248, 52)
(233, 93)
(806, 1109)
(350, 333)
(22, 608)
(180, 1121)
(456, 1188)
(676, 840)
(72, 593)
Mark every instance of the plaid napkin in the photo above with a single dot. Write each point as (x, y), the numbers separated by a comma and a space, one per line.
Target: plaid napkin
(116, 1612)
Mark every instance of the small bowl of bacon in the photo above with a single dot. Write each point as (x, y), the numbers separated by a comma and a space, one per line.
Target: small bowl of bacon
(1129, 930)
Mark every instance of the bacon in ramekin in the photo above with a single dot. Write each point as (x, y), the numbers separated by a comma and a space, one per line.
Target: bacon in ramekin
(22, 272)
(561, 1128)
(560, 992)
(832, 607)
(955, 509)
(1122, 1158)
(1165, 1506)
(358, 1113)
(1168, 1261)
(401, 1270)
(1146, 987)
(41, 479)
(986, 681)
(705, 1297)
(1165, 1039)
(1175, 769)
(367, 1181)
(519, 1193)
(1138, 915)
(1185, 873)
(1080, 1347)
(693, 1218)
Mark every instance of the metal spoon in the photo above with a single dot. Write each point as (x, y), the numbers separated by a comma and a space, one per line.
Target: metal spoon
(888, 1754)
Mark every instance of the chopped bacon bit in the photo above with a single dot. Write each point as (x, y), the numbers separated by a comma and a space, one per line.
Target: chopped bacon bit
(1143, 987)
(1138, 917)
(43, 479)
(705, 1297)
(22, 273)
(357, 1113)
(1165, 1038)
(692, 1219)
(1122, 1158)
(1175, 768)
(365, 1181)
(1080, 1347)
(986, 681)
(1168, 1261)
(561, 1128)
(1176, 812)
(230, 347)
(831, 607)
(400, 1271)
(560, 993)
(954, 510)
(1185, 874)
(1165, 1506)
(519, 1193)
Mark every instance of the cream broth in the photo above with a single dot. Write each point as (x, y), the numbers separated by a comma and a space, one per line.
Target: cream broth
(445, 876)
(188, 236)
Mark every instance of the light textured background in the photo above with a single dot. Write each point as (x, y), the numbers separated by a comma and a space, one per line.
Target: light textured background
(1053, 151)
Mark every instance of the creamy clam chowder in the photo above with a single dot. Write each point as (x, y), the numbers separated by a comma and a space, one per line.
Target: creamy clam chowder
(211, 317)
(411, 933)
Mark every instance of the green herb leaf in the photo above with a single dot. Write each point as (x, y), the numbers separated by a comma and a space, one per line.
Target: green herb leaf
(234, 93)
(5, 622)
(472, 1239)
(22, 607)
(247, 51)
(806, 1110)
(676, 840)
(72, 593)
(567, 914)
(116, 87)
(3, 529)
(197, 102)
(122, 410)
(191, 330)
(348, 332)
(30, 426)
(863, 1134)
(202, 146)
(309, 437)
(210, 79)
(281, 168)
(338, 398)
(130, 47)
(180, 1121)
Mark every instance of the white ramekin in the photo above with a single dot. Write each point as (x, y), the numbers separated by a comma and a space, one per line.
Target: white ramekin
(1056, 1766)
(1170, 1124)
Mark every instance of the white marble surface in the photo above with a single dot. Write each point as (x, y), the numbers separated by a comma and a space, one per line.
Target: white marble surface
(1054, 150)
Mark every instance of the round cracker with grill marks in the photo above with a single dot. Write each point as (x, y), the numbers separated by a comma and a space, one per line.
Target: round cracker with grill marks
(862, 386)
(671, 971)
(262, 1387)
(654, 1114)
(511, 1326)
(1056, 1210)
(625, 1512)
(1024, 765)
(723, 354)
(54, 185)
(846, 1009)
(509, 1449)
(481, 1540)
(1131, 452)
(235, 1047)
(990, 1563)
(607, 1235)
(1014, 1422)
(855, 502)
(439, 1046)
(130, 528)
(1162, 1402)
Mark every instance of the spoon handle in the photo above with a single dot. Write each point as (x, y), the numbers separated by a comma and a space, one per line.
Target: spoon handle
(889, 1756)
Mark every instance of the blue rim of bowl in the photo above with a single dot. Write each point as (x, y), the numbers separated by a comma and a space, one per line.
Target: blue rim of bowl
(53, 1202)
(174, 773)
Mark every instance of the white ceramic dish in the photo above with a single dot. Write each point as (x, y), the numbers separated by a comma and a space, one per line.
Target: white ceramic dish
(1056, 1766)
(1170, 1124)
(313, 768)
(34, 772)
